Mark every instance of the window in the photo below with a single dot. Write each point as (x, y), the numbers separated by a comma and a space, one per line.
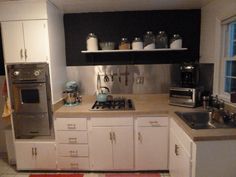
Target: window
(228, 58)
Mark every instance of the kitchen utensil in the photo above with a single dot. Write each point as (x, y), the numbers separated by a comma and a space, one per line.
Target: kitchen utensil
(106, 78)
(98, 82)
(126, 75)
(92, 42)
(102, 94)
(118, 74)
(112, 76)
(107, 45)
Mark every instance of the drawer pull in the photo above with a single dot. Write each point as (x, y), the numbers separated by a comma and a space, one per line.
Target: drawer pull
(72, 140)
(74, 165)
(73, 153)
(111, 137)
(114, 137)
(71, 126)
(154, 123)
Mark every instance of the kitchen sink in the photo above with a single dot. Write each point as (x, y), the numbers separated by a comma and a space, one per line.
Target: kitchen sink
(205, 120)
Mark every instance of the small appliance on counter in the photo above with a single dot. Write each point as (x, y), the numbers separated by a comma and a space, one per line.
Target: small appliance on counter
(187, 97)
(186, 91)
(71, 94)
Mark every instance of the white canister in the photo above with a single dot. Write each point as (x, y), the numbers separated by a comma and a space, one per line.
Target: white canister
(92, 42)
(176, 42)
(137, 44)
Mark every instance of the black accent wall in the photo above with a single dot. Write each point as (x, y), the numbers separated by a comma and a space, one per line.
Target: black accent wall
(112, 26)
(2, 70)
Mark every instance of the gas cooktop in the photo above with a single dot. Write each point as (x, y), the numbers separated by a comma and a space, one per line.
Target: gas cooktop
(116, 104)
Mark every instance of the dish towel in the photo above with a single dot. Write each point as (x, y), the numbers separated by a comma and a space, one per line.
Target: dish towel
(7, 107)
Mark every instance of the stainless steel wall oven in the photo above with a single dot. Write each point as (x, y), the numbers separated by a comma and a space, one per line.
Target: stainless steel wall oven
(30, 94)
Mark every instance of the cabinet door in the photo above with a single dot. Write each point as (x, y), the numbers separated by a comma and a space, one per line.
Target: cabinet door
(180, 162)
(151, 148)
(100, 147)
(123, 153)
(13, 41)
(36, 40)
(25, 158)
(45, 156)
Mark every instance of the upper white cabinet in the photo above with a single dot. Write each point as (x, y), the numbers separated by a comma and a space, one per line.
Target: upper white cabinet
(25, 41)
(151, 143)
(111, 143)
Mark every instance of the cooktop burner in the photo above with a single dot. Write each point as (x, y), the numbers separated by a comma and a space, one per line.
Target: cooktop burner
(113, 105)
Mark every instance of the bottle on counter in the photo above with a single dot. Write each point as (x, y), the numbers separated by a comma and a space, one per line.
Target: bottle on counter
(149, 41)
(92, 42)
(161, 40)
(124, 44)
(137, 44)
(176, 42)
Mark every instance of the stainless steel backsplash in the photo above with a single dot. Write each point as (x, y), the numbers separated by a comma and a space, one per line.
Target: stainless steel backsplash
(140, 78)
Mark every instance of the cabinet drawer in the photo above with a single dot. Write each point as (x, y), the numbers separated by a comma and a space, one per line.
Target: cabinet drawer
(73, 163)
(184, 139)
(152, 121)
(71, 124)
(111, 121)
(72, 150)
(72, 137)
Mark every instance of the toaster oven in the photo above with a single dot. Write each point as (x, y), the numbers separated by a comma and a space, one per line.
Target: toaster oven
(187, 97)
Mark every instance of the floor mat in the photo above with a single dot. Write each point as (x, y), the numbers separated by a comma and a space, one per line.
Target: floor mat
(56, 175)
(133, 175)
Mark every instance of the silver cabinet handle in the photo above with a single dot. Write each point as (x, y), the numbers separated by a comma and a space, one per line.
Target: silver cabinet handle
(73, 153)
(176, 150)
(111, 137)
(140, 137)
(154, 123)
(74, 165)
(35, 150)
(71, 126)
(114, 137)
(32, 152)
(72, 140)
(21, 54)
(26, 54)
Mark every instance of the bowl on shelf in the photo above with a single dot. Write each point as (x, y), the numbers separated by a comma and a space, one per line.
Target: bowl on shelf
(107, 45)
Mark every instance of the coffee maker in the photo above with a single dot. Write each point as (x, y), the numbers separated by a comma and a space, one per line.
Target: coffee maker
(189, 75)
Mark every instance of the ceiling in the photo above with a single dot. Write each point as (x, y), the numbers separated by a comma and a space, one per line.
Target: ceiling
(78, 6)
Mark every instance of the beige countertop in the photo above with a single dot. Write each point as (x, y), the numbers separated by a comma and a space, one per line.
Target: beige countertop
(146, 105)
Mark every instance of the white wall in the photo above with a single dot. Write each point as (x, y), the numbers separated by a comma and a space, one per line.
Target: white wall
(210, 44)
(3, 122)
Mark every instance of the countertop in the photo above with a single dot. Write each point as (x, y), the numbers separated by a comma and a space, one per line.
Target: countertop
(147, 105)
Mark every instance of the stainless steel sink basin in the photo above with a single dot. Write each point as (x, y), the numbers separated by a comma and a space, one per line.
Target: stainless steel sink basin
(203, 120)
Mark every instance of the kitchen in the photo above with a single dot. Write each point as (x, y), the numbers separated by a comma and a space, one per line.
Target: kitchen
(212, 15)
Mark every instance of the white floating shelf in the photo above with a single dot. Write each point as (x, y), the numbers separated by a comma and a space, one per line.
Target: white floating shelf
(131, 51)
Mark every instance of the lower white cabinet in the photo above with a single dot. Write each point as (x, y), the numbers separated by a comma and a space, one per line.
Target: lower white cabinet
(151, 143)
(111, 143)
(35, 155)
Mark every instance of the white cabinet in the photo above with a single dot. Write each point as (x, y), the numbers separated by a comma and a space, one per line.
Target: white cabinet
(180, 153)
(35, 155)
(72, 143)
(25, 41)
(151, 143)
(111, 143)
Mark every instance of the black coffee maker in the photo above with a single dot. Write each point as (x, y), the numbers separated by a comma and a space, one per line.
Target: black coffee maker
(189, 75)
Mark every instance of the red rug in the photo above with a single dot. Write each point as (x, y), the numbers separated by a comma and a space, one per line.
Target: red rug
(56, 175)
(133, 175)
